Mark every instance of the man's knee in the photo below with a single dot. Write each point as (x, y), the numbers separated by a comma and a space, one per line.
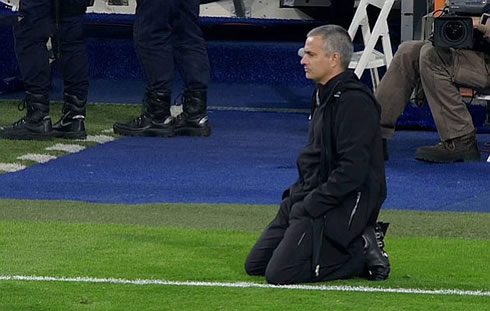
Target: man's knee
(274, 279)
(433, 57)
(427, 53)
(408, 51)
(405, 60)
(254, 268)
(276, 276)
(285, 274)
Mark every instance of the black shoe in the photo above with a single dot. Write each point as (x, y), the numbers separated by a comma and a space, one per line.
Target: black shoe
(386, 155)
(71, 128)
(155, 120)
(72, 124)
(193, 121)
(460, 149)
(187, 126)
(377, 262)
(36, 125)
(28, 130)
(145, 125)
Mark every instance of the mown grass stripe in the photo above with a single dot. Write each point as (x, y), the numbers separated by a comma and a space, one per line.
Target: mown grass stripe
(344, 288)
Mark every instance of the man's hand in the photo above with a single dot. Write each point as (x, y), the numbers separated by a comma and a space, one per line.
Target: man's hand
(485, 29)
(298, 211)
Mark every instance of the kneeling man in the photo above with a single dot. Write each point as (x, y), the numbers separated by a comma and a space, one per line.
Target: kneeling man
(326, 225)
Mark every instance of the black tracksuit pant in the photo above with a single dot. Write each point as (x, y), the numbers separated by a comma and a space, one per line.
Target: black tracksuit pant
(36, 26)
(292, 251)
(167, 36)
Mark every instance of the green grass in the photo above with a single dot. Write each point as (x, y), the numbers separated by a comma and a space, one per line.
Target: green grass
(62, 297)
(99, 119)
(197, 242)
(232, 217)
(132, 252)
(208, 242)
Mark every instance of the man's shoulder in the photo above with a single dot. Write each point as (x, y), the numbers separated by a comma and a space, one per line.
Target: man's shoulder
(355, 89)
(356, 96)
(350, 83)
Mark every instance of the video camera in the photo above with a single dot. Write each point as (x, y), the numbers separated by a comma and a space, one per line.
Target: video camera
(468, 7)
(455, 29)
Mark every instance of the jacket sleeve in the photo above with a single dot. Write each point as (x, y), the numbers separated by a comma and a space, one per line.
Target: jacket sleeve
(356, 126)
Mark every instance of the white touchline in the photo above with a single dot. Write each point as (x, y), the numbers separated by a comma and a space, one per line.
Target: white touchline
(43, 158)
(455, 292)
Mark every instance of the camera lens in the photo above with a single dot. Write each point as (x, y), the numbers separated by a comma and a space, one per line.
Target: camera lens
(454, 31)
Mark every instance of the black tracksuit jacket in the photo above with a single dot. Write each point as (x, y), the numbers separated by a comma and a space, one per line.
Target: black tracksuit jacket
(341, 169)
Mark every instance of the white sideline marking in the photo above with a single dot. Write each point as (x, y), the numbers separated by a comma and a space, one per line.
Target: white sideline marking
(455, 292)
(43, 158)
(11, 167)
(36, 157)
(108, 131)
(100, 139)
(66, 148)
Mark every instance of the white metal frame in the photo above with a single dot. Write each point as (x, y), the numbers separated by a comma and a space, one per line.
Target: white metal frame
(370, 58)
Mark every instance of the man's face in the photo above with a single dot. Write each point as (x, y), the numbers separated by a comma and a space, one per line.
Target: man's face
(318, 66)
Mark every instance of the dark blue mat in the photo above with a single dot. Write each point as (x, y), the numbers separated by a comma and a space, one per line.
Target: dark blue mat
(250, 158)
(417, 185)
(251, 95)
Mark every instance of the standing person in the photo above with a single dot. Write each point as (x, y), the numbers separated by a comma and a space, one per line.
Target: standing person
(61, 20)
(440, 72)
(167, 37)
(325, 227)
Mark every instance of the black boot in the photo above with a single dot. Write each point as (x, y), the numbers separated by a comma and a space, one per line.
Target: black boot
(155, 120)
(72, 124)
(377, 262)
(193, 121)
(36, 125)
(460, 149)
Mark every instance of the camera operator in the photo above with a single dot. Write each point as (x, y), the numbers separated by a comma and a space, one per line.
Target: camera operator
(62, 21)
(440, 72)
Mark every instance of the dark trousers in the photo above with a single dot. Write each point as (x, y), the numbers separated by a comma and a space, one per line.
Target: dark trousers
(37, 25)
(292, 251)
(441, 72)
(167, 37)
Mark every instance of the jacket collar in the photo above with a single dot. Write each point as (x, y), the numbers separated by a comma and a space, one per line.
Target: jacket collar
(325, 91)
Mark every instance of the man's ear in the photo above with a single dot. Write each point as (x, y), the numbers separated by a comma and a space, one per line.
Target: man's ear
(336, 59)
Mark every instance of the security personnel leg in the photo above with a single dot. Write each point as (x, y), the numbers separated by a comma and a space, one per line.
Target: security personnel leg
(193, 121)
(36, 125)
(154, 121)
(72, 123)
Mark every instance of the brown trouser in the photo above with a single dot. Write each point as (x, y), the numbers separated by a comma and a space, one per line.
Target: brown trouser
(441, 72)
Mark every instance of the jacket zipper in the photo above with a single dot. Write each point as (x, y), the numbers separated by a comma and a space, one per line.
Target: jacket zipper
(317, 249)
(354, 210)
